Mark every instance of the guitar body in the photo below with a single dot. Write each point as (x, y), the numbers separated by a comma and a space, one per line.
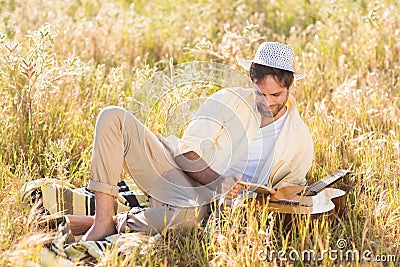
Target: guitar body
(315, 200)
(290, 200)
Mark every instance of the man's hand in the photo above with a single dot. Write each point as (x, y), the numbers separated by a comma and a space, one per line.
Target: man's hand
(230, 187)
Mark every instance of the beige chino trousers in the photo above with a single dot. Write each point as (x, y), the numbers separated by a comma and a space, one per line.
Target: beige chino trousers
(122, 141)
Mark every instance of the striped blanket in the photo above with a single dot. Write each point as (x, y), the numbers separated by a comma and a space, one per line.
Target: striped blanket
(55, 197)
(61, 197)
(87, 253)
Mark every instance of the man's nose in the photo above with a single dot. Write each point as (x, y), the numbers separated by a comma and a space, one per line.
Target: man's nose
(269, 100)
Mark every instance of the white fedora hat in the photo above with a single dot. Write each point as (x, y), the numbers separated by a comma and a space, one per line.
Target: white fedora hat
(273, 54)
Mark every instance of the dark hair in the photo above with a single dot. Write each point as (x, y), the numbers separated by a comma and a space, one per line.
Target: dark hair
(259, 72)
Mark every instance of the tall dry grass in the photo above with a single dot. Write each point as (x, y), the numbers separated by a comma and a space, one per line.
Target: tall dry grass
(61, 62)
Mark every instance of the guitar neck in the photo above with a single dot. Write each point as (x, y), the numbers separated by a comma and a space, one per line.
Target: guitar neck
(327, 181)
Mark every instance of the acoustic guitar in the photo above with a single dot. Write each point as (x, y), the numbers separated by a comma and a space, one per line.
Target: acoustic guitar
(314, 199)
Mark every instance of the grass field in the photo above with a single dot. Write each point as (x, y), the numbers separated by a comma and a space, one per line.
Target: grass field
(62, 61)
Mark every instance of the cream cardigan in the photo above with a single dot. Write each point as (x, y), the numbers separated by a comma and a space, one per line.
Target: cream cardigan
(226, 123)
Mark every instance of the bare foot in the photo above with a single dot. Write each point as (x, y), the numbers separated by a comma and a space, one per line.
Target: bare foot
(79, 224)
(103, 225)
(100, 230)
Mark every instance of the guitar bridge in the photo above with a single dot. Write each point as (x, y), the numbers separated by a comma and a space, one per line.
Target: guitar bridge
(291, 203)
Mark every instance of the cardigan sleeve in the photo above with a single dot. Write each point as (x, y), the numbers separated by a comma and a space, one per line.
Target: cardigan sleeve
(218, 130)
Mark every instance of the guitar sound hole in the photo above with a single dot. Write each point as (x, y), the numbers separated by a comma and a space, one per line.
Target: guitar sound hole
(307, 193)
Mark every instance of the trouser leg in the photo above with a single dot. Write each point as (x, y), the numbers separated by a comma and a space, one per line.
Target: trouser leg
(108, 151)
(160, 217)
(120, 137)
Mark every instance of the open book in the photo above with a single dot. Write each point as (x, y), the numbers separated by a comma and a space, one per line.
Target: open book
(278, 173)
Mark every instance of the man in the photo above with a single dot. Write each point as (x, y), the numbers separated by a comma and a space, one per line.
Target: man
(237, 133)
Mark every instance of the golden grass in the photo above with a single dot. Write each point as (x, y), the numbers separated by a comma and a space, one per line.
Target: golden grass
(62, 61)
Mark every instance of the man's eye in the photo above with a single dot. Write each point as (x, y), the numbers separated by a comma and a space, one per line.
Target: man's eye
(260, 94)
(276, 95)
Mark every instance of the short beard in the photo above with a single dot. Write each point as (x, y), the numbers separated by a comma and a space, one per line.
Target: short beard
(280, 107)
(261, 107)
(267, 112)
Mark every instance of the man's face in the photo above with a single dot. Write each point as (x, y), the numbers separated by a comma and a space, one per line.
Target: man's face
(275, 95)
